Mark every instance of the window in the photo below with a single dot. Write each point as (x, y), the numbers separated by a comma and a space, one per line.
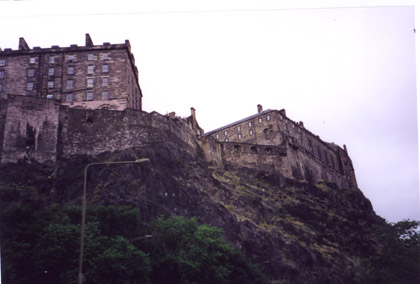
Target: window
(105, 81)
(90, 82)
(2, 62)
(254, 149)
(239, 128)
(51, 71)
(90, 69)
(240, 136)
(50, 84)
(251, 132)
(105, 68)
(91, 57)
(250, 124)
(69, 98)
(69, 84)
(1, 74)
(30, 86)
(310, 145)
(226, 133)
(227, 140)
(260, 120)
(31, 73)
(105, 96)
(32, 60)
(1, 88)
(217, 136)
(105, 56)
(70, 70)
(89, 96)
(49, 96)
(268, 117)
(71, 57)
(51, 59)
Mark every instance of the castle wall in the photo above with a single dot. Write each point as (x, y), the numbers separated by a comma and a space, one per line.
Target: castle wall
(92, 132)
(3, 111)
(30, 129)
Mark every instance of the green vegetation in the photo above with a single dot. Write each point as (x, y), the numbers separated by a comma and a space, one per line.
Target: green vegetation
(399, 260)
(42, 246)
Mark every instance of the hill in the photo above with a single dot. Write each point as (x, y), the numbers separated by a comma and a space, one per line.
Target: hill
(296, 232)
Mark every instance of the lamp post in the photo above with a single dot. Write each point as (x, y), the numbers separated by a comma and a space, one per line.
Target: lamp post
(82, 233)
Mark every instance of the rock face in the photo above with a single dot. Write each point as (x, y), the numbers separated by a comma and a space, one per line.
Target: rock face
(296, 232)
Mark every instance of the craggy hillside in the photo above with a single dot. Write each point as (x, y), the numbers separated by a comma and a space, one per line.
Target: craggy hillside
(295, 231)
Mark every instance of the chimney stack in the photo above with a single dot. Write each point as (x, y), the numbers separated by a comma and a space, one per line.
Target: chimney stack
(193, 112)
(260, 108)
(89, 42)
(22, 44)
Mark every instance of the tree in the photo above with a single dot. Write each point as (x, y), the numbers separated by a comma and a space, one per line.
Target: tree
(182, 251)
(399, 259)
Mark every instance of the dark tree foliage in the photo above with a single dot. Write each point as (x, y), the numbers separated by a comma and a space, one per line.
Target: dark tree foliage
(182, 251)
(42, 246)
(399, 260)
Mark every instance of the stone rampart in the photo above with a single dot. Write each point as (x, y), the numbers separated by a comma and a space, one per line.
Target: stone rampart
(95, 131)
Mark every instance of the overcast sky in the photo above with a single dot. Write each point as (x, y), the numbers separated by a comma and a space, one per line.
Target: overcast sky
(348, 73)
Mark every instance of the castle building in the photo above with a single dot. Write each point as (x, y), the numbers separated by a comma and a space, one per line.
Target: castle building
(59, 102)
(272, 141)
(89, 77)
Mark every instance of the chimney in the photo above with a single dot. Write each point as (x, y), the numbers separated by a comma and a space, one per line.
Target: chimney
(260, 108)
(22, 44)
(283, 112)
(301, 124)
(345, 148)
(89, 42)
(193, 112)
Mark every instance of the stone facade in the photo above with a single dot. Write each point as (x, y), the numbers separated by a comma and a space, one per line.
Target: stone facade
(89, 77)
(270, 140)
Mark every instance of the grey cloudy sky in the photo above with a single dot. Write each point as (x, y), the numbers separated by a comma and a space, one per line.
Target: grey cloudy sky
(348, 73)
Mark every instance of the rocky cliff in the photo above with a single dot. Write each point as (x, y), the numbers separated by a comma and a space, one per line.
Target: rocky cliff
(295, 231)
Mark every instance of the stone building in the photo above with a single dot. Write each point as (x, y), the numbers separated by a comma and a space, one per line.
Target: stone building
(272, 141)
(57, 102)
(90, 77)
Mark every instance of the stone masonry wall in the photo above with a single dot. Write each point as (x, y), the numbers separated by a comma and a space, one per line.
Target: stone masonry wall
(95, 131)
(30, 129)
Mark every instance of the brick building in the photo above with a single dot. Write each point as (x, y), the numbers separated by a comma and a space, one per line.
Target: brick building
(89, 77)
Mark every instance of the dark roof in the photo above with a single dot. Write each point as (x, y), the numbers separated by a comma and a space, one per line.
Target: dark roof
(239, 121)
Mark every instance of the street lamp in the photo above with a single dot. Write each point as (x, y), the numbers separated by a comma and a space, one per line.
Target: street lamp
(82, 233)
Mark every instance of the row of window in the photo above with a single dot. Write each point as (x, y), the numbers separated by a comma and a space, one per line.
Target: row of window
(70, 84)
(89, 96)
(251, 132)
(70, 71)
(52, 58)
